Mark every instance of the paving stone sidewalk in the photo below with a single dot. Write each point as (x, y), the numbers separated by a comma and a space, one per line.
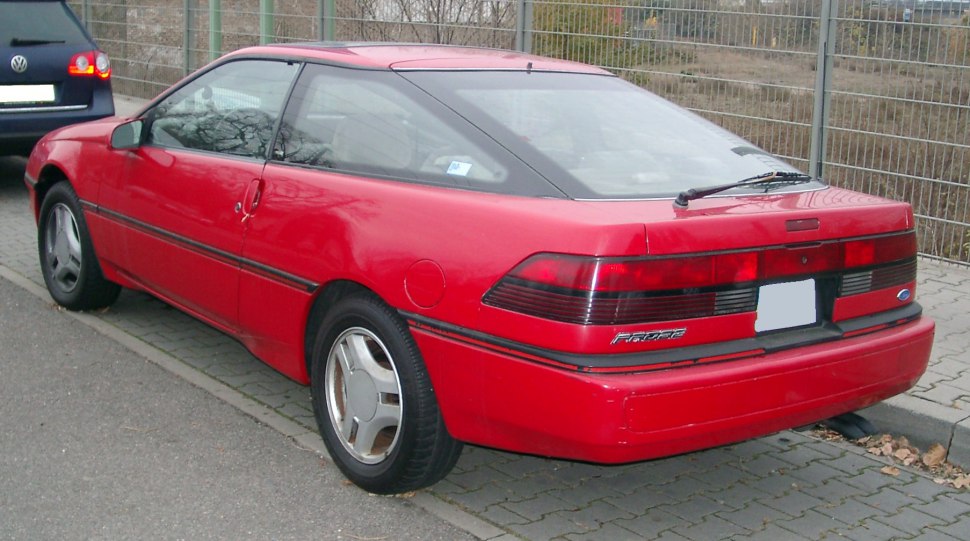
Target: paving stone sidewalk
(786, 486)
(937, 409)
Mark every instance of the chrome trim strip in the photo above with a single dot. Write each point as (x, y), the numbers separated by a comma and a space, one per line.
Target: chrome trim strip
(51, 109)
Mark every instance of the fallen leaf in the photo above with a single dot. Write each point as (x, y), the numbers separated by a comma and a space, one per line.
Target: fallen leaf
(890, 470)
(935, 455)
(902, 453)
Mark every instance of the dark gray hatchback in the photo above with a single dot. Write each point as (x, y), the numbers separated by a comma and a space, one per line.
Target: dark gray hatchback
(51, 73)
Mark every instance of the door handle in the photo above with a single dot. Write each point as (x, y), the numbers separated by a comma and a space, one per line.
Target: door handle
(250, 200)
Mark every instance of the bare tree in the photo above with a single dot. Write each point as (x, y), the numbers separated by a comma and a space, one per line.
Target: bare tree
(479, 22)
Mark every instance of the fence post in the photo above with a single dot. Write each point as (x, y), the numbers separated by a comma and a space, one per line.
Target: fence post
(266, 22)
(823, 86)
(86, 14)
(215, 29)
(188, 34)
(326, 12)
(523, 26)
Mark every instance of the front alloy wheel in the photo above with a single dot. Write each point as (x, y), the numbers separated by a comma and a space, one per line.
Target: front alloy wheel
(67, 259)
(62, 251)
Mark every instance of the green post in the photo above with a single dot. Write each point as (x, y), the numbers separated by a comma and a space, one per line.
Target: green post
(327, 11)
(523, 26)
(215, 29)
(188, 35)
(266, 22)
(823, 86)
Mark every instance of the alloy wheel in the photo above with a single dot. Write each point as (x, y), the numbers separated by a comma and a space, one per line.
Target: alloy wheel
(364, 395)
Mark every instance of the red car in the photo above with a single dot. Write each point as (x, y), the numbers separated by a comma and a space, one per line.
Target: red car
(461, 245)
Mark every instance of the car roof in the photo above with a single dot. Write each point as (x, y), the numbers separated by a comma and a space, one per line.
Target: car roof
(416, 56)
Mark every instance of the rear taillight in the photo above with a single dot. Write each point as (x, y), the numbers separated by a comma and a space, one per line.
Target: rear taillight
(617, 291)
(876, 251)
(90, 63)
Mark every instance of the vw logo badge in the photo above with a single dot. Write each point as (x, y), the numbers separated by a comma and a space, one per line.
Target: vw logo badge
(904, 295)
(19, 63)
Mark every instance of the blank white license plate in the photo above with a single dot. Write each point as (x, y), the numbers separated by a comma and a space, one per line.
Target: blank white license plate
(789, 304)
(27, 94)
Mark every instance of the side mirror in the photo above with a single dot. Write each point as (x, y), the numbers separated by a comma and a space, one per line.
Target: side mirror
(127, 135)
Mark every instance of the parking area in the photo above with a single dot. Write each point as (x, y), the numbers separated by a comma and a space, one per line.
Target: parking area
(790, 485)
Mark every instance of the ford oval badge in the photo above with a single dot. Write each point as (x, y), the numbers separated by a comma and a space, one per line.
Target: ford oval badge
(904, 295)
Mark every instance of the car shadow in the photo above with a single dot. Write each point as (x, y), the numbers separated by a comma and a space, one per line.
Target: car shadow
(12, 170)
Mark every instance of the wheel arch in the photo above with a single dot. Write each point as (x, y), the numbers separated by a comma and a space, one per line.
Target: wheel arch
(50, 175)
(329, 295)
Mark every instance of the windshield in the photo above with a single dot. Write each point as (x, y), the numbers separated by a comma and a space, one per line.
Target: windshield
(597, 136)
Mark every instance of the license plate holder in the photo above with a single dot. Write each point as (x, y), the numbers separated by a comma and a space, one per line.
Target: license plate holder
(786, 305)
(26, 94)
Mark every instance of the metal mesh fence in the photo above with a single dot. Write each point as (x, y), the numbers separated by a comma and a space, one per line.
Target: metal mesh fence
(898, 120)
(873, 94)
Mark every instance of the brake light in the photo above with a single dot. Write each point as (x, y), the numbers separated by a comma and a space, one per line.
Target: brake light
(90, 63)
(877, 251)
(611, 291)
(598, 274)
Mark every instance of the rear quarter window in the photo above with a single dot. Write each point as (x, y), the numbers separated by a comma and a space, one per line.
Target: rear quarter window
(374, 123)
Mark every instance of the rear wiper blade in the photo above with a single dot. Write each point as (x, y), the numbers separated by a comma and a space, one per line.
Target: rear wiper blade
(28, 42)
(771, 177)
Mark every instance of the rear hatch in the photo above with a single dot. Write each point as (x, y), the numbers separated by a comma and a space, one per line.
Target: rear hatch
(725, 277)
(39, 43)
(736, 253)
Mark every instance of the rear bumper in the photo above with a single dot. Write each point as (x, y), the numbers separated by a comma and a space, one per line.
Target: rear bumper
(21, 130)
(500, 400)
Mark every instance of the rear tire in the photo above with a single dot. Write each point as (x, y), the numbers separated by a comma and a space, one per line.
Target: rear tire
(373, 400)
(67, 260)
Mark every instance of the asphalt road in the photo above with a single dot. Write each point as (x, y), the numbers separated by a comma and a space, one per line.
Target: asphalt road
(96, 442)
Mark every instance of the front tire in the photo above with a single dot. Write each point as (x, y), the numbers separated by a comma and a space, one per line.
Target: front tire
(373, 400)
(67, 260)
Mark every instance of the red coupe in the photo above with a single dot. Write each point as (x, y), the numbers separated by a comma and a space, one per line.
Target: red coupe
(462, 245)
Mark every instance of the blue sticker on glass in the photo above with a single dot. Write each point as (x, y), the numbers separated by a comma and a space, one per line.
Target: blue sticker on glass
(459, 168)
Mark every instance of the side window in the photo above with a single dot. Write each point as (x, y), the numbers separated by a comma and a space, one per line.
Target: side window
(231, 109)
(357, 121)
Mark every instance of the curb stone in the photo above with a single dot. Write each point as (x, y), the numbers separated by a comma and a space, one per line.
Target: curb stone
(902, 414)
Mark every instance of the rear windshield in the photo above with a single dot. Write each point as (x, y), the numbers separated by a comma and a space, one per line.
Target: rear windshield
(38, 23)
(597, 136)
